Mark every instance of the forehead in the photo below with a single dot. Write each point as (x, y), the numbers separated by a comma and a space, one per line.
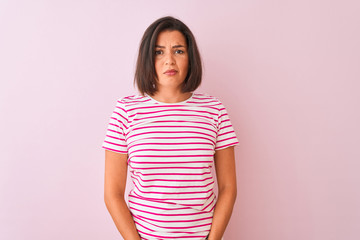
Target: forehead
(170, 37)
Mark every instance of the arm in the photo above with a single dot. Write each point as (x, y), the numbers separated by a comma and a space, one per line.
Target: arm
(226, 179)
(115, 181)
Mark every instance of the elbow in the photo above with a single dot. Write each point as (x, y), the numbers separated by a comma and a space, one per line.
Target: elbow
(107, 200)
(228, 191)
(233, 194)
(110, 197)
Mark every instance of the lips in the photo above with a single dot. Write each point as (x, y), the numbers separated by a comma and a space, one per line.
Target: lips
(170, 72)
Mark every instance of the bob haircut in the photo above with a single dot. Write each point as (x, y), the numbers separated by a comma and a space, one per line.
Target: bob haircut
(145, 73)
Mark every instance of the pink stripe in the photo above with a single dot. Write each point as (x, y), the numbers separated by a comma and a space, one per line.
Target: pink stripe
(171, 193)
(172, 109)
(225, 139)
(205, 102)
(144, 205)
(152, 199)
(167, 138)
(150, 144)
(163, 227)
(207, 129)
(167, 143)
(175, 143)
(178, 132)
(223, 146)
(165, 106)
(113, 124)
(121, 103)
(114, 150)
(207, 123)
(175, 214)
(137, 223)
(224, 122)
(172, 115)
(171, 237)
(117, 120)
(137, 100)
(209, 204)
(222, 128)
(190, 143)
(173, 149)
(157, 106)
(163, 200)
(109, 136)
(223, 115)
(175, 221)
(120, 115)
(160, 186)
(171, 162)
(167, 168)
(152, 174)
(135, 103)
(225, 133)
(212, 207)
(110, 130)
(121, 145)
(172, 180)
(201, 96)
(192, 226)
(177, 121)
(205, 155)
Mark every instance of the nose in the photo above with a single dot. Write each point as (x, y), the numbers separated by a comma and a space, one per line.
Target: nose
(169, 59)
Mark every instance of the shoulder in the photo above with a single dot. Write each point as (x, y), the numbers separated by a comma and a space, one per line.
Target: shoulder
(205, 96)
(130, 100)
(209, 99)
(123, 103)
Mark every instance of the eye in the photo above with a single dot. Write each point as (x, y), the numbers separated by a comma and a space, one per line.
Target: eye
(179, 51)
(158, 52)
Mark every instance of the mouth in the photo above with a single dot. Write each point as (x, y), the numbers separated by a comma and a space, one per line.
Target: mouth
(170, 72)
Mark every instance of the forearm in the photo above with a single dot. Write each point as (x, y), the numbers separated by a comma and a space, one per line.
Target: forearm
(222, 213)
(122, 218)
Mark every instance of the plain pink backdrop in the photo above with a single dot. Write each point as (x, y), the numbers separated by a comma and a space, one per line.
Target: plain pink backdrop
(287, 71)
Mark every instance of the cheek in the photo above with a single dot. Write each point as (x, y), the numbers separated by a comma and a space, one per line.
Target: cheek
(157, 67)
(186, 65)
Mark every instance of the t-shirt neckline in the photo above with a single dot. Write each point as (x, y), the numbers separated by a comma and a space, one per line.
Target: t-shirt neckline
(182, 102)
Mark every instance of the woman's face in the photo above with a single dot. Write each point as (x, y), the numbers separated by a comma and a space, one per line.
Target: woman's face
(171, 59)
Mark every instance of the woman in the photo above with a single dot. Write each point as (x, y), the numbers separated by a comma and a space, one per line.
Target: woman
(169, 137)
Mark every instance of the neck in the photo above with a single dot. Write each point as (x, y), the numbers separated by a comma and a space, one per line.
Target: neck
(171, 96)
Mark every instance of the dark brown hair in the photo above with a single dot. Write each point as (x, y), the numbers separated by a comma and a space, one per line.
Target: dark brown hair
(145, 74)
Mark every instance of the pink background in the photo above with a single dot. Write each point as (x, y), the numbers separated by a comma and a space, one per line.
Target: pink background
(287, 71)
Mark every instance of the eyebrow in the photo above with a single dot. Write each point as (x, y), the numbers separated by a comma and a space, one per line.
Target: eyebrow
(176, 46)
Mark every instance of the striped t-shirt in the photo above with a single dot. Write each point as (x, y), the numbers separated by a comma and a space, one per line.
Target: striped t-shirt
(170, 149)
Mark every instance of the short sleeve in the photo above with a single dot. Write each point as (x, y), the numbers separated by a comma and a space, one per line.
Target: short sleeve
(115, 139)
(226, 135)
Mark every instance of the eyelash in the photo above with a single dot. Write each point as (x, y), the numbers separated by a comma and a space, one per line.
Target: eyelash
(158, 52)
